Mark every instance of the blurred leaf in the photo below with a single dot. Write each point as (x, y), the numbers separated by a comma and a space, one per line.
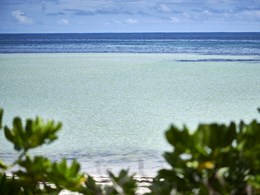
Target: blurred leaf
(9, 185)
(161, 187)
(41, 169)
(9, 134)
(3, 165)
(122, 184)
(1, 117)
(171, 158)
(67, 177)
(35, 133)
(254, 181)
(215, 159)
(215, 135)
(207, 165)
(74, 169)
(92, 187)
(179, 139)
(35, 170)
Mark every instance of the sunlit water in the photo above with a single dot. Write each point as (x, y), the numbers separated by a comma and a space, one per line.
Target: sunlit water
(115, 108)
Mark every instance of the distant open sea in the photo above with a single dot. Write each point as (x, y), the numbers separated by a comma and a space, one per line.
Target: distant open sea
(117, 93)
(199, 43)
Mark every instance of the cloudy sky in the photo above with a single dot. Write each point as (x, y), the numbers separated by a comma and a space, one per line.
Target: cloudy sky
(42, 16)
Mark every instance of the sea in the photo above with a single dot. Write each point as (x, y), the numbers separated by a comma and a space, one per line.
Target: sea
(117, 93)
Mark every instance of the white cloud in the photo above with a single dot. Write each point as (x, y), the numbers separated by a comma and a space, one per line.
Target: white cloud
(63, 21)
(131, 21)
(21, 17)
(174, 20)
(185, 15)
(252, 13)
(164, 8)
(206, 12)
(116, 22)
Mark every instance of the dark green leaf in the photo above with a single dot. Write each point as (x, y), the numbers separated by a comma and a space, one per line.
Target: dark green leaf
(92, 187)
(1, 117)
(9, 185)
(9, 134)
(122, 184)
(74, 168)
(3, 165)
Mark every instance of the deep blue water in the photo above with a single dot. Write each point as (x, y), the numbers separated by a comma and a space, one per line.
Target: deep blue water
(198, 43)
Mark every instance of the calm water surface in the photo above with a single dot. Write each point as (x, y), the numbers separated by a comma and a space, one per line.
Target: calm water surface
(115, 107)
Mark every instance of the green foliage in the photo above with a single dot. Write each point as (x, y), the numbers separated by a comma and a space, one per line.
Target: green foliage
(1, 117)
(93, 188)
(39, 175)
(3, 165)
(10, 186)
(215, 159)
(67, 177)
(40, 172)
(122, 184)
(34, 134)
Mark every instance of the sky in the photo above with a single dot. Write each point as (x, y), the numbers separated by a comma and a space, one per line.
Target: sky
(87, 16)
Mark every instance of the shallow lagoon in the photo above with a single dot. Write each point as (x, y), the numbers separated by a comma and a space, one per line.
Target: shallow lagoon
(116, 107)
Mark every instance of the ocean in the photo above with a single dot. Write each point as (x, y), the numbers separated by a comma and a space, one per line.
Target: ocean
(199, 43)
(117, 93)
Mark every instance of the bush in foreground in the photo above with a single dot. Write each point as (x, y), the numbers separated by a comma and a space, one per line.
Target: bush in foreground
(214, 159)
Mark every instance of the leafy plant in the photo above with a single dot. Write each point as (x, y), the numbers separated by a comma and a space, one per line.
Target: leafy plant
(122, 184)
(39, 175)
(215, 159)
(34, 134)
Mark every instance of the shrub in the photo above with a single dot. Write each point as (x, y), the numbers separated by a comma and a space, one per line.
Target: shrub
(39, 175)
(214, 159)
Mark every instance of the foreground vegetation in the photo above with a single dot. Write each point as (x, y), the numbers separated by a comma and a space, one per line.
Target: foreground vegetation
(214, 159)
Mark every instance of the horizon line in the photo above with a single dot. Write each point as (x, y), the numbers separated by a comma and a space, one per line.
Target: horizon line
(5, 33)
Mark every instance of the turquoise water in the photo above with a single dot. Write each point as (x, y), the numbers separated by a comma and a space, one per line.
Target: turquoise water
(115, 108)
